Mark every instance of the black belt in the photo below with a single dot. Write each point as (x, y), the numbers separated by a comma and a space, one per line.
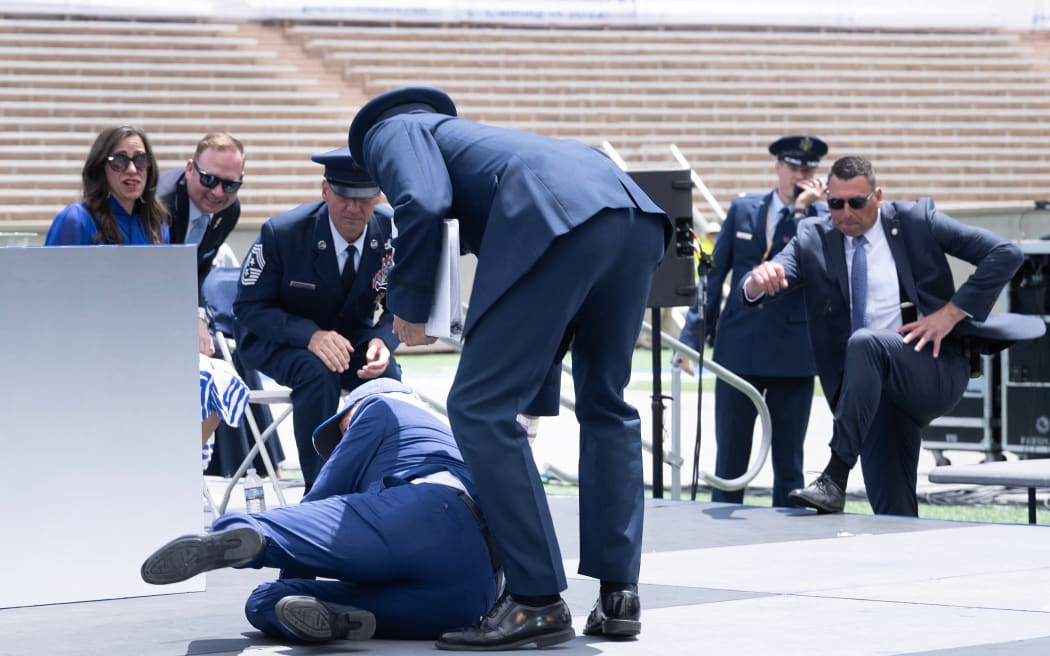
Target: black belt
(474, 510)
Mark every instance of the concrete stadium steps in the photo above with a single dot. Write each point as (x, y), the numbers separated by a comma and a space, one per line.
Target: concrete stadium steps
(954, 114)
(759, 35)
(959, 115)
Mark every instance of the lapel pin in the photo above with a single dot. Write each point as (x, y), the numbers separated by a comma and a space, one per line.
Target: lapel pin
(893, 231)
(321, 245)
(374, 244)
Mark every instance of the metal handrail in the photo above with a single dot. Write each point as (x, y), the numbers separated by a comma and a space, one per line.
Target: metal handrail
(740, 482)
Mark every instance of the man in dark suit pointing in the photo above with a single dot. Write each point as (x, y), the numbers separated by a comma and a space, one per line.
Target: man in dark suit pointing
(892, 336)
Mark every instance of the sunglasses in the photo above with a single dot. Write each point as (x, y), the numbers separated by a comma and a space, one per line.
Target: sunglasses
(857, 202)
(211, 181)
(119, 161)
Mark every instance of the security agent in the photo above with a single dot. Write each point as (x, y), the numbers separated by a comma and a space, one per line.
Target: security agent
(389, 541)
(894, 335)
(310, 304)
(768, 349)
(567, 246)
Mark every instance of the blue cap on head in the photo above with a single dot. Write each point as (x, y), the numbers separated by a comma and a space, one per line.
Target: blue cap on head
(344, 176)
(799, 150)
(327, 435)
(391, 103)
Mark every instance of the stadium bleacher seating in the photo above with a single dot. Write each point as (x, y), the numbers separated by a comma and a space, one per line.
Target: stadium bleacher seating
(961, 116)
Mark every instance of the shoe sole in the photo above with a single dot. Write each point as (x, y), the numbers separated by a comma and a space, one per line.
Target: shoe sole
(190, 555)
(312, 621)
(615, 629)
(541, 641)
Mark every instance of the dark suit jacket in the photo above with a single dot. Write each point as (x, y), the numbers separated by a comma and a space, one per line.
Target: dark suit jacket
(513, 192)
(290, 285)
(171, 190)
(773, 342)
(920, 238)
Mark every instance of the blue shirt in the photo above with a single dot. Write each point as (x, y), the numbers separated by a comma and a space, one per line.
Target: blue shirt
(74, 226)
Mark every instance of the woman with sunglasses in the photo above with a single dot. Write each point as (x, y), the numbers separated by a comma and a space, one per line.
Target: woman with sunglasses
(119, 203)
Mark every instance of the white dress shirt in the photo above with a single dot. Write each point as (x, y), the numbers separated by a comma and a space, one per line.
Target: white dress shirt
(883, 309)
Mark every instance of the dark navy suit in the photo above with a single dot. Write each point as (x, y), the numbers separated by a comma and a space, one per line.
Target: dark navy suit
(171, 191)
(412, 554)
(290, 288)
(880, 390)
(567, 245)
(769, 349)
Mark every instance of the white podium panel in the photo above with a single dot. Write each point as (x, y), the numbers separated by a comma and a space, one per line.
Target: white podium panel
(100, 421)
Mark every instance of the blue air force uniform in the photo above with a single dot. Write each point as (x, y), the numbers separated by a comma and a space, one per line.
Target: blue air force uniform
(291, 287)
(413, 553)
(769, 349)
(567, 245)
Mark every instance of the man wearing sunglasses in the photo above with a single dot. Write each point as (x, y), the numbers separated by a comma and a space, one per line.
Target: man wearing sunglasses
(311, 305)
(202, 201)
(770, 350)
(892, 336)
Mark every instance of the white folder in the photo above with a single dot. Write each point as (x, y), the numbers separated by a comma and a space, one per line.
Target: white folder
(446, 314)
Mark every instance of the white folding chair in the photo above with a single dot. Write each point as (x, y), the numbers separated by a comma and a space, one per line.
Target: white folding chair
(218, 291)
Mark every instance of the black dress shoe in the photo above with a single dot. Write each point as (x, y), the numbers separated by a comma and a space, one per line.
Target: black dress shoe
(313, 620)
(510, 625)
(823, 494)
(616, 614)
(189, 555)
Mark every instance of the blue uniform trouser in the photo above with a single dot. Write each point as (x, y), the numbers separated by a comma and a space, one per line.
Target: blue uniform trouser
(414, 555)
(789, 400)
(592, 283)
(315, 395)
(889, 392)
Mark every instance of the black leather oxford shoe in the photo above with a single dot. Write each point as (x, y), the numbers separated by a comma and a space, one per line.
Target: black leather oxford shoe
(616, 614)
(823, 494)
(190, 555)
(313, 620)
(510, 625)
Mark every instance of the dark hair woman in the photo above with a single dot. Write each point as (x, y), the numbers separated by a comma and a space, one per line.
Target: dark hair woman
(120, 203)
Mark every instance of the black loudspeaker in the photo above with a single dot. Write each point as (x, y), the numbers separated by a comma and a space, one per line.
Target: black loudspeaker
(675, 281)
(1026, 385)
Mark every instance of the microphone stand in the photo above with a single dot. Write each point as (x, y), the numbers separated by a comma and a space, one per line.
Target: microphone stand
(703, 266)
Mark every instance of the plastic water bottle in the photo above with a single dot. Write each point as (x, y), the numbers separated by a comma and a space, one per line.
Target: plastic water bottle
(254, 495)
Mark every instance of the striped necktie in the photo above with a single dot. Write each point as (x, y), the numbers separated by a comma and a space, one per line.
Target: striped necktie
(858, 282)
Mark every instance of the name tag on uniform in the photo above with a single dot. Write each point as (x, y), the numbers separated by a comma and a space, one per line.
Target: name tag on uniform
(743, 235)
(302, 285)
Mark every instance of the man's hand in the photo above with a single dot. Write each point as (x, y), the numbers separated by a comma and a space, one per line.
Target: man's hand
(376, 359)
(204, 340)
(332, 349)
(812, 191)
(766, 278)
(412, 334)
(932, 328)
(686, 366)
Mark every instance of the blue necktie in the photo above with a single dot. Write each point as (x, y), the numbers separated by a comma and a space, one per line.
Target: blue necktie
(858, 283)
(197, 230)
